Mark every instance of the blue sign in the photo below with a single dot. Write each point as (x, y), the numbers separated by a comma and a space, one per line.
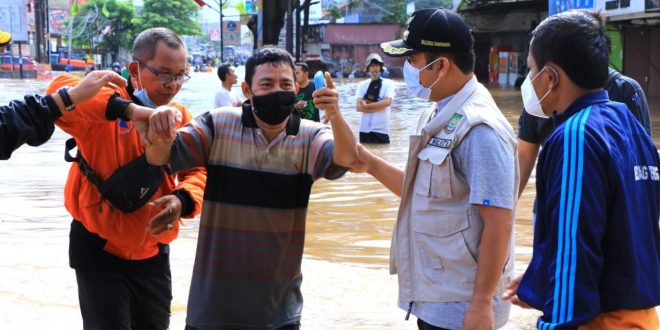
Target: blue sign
(558, 6)
(231, 26)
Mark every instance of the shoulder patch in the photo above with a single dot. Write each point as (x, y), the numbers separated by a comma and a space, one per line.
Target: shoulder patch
(452, 123)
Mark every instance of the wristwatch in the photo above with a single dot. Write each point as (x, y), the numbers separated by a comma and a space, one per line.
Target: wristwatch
(66, 99)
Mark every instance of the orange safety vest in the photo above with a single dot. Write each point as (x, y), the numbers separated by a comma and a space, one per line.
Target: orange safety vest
(107, 145)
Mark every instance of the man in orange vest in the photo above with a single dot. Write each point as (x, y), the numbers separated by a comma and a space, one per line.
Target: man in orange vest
(121, 262)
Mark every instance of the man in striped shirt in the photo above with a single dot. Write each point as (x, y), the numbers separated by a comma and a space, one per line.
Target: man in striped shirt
(596, 259)
(262, 160)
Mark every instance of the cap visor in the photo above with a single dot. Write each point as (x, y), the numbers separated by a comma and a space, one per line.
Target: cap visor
(396, 48)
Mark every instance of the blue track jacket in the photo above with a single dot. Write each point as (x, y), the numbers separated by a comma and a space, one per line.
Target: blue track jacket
(596, 236)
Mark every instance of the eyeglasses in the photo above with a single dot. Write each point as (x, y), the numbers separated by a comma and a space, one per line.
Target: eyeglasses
(166, 78)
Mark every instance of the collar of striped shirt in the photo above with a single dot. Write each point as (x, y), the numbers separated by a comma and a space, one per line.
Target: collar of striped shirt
(292, 127)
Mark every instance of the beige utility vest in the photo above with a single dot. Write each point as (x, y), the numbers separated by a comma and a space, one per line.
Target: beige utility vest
(436, 240)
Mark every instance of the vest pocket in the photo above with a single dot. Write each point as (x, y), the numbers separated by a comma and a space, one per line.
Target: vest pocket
(441, 252)
(434, 181)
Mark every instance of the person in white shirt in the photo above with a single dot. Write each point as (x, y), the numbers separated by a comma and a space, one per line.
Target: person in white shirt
(225, 97)
(373, 98)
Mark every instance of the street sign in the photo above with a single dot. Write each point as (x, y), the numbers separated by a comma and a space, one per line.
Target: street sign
(13, 18)
(214, 34)
(231, 33)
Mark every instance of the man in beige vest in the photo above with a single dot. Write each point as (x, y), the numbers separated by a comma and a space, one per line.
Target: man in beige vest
(452, 243)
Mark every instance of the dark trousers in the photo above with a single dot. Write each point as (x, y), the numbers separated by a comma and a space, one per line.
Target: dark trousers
(373, 137)
(286, 327)
(421, 325)
(117, 300)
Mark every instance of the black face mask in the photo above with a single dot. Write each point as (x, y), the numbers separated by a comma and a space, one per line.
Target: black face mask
(273, 108)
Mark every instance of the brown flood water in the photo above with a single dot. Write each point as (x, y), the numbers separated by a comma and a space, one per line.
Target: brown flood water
(347, 285)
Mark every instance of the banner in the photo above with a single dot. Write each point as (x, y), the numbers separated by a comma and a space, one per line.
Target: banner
(57, 21)
(558, 6)
(214, 34)
(611, 8)
(231, 33)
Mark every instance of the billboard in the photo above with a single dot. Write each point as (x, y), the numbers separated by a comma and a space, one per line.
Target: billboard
(609, 7)
(558, 6)
(57, 21)
(231, 33)
(13, 18)
(214, 34)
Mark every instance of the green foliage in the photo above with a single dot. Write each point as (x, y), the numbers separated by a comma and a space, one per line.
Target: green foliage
(397, 14)
(176, 15)
(423, 4)
(91, 22)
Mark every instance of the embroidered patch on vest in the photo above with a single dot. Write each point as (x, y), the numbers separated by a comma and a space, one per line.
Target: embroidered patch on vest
(452, 123)
(125, 127)
(440, 143)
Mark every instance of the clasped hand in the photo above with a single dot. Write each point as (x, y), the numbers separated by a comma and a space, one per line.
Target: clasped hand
(160, 127)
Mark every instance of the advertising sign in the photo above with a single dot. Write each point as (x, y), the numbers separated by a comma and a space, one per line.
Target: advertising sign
(13, 18)
(558, 6)
(231, 33)
(57, 21)
(609, 7)
(503, 68)
(214, 34)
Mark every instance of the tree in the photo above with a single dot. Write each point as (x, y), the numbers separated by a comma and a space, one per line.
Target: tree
(103, 24)
(424, 4)
(397, 15)
(176, 15)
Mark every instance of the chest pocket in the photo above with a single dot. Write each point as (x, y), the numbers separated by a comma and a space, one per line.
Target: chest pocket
(434, 173)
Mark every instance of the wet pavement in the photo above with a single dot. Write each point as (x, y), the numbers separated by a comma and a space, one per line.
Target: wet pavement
(347, 284)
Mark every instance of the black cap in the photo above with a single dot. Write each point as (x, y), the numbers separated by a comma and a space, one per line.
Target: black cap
(432, 30)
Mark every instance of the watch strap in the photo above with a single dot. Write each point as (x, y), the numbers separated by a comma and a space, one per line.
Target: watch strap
(66, 99)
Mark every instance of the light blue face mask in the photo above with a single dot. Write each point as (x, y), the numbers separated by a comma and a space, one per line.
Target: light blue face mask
(411, 77)
(142, 95)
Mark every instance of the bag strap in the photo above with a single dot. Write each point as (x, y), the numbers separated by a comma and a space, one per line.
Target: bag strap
(86, 170)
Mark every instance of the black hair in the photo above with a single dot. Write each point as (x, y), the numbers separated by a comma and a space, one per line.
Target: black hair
(463, 60)
(144, 46)
(303, 66)
(576, 41)
(223, 71)
(267, 54)
(382, 67)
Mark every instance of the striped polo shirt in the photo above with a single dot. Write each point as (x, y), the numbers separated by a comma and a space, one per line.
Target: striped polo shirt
(252, 230)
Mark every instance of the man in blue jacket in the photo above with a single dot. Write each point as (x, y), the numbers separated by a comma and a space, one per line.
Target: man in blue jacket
(596, 239)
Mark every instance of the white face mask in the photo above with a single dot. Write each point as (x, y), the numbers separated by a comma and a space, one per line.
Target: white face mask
(531, 101)
(411, 77)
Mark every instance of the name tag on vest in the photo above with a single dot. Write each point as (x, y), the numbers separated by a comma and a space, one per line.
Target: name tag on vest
(440, 143)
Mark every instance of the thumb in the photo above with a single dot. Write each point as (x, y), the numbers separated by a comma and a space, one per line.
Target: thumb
(328, 80)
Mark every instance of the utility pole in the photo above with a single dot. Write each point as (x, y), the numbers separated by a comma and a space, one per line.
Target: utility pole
(289, 27)
(69, 40)
(39, 30)
(298, 36)
(47, 32)
(222, 38)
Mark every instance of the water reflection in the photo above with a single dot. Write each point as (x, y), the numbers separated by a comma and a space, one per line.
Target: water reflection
(348, 230)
